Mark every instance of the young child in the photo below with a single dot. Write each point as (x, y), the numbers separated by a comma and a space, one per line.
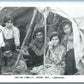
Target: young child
(67, 41)
(11, 37)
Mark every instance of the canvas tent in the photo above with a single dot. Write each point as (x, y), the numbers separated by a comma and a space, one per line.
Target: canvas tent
(78, 34)
(76, 16)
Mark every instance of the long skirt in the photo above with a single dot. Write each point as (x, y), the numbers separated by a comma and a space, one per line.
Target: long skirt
(52, 70)
(70, 67)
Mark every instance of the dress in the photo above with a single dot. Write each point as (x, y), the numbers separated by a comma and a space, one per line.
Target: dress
(70, 68)
(56, 61)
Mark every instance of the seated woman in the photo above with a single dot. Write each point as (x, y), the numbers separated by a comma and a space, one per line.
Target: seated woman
(67, 41)
(55, 59)
(36, 48)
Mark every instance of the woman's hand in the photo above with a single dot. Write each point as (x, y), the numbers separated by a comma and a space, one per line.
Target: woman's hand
(50, 44)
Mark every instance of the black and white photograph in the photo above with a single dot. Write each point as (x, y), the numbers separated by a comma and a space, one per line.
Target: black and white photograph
(42, 40)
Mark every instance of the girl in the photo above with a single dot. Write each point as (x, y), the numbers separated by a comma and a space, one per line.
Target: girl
(68, 43)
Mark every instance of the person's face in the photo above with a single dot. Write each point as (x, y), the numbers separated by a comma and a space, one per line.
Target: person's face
(67, 29)
(9, 24)
(55, 40)
(39, 36)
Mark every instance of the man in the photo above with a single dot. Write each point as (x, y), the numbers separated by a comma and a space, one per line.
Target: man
(35, 48)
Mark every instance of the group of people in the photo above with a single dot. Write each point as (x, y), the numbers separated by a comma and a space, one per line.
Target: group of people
(60, 54)
(58, 59)
(55, 58)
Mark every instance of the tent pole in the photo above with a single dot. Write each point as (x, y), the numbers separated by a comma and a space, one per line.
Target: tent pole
(27, 35)
(45, 32)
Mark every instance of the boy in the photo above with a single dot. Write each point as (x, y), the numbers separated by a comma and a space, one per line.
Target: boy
(11, 37)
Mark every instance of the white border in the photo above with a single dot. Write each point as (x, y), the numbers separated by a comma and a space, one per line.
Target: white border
(39, 4)
(31, 78)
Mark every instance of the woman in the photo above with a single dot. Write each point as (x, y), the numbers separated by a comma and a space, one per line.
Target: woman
(68, 43)
(55, 59)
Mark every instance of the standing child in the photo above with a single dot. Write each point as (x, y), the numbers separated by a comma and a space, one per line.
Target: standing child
(11, 37)
(67, 41)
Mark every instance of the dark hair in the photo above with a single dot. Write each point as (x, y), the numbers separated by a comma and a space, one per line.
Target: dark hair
(55, 34)
(62, 25)
(66, 23)
(40, 29)
(7, 18)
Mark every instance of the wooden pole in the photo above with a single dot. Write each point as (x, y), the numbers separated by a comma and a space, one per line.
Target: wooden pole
(45, 28)
(27, 36)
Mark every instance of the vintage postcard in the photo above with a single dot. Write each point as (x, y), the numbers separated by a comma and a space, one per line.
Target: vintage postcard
(41, 41)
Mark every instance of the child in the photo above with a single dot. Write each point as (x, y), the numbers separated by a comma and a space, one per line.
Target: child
(11, 37)
(68, 43)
